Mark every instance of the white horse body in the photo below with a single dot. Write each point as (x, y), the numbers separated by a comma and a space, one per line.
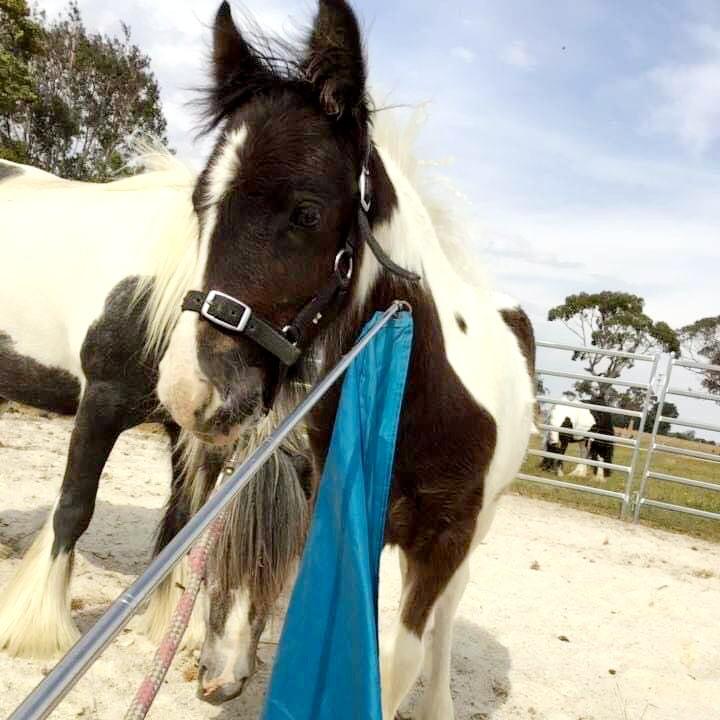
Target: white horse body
(581, 421)
(64, 247)
(581, 418)
(83, 239)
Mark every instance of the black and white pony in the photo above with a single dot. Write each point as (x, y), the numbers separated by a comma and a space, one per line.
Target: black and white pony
(583, 420)
(73, 334)
(307, 227)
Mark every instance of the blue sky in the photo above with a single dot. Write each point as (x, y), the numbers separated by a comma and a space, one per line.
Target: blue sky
(583, 135)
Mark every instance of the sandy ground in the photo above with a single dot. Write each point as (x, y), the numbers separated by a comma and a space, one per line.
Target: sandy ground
(568, 616)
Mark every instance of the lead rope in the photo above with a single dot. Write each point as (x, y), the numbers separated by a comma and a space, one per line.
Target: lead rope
(165, 654)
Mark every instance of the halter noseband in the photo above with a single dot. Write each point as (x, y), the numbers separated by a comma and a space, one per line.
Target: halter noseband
(288, 345)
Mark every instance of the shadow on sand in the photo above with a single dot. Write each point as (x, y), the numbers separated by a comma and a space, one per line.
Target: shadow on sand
(120, 537)
(480, 682)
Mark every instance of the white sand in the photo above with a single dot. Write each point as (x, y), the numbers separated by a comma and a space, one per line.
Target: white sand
(639, 609)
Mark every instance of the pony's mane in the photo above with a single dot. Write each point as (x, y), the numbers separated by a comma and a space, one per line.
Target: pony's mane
(444, 204)
(174, 256)
(152, 157)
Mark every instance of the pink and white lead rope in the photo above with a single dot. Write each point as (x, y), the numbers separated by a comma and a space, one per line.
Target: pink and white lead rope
(197, 562)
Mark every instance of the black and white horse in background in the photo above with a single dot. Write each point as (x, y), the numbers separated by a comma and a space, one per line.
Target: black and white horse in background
(73, 334)
(307, 228)
(583, 420)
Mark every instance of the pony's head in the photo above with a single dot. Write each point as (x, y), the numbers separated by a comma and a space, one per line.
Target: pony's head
(278, 205)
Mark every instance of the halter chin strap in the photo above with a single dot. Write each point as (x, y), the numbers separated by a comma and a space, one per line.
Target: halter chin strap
(287, 345)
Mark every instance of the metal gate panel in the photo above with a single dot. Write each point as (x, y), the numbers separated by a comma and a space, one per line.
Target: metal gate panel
(657, 447)
(625, 497)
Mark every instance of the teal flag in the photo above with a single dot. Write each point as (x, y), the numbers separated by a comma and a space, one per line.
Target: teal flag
(327, 664)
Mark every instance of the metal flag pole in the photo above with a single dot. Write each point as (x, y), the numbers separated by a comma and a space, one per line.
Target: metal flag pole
(58, 683)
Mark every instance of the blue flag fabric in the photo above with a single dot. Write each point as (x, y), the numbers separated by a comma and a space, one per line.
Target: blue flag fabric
(327, 664)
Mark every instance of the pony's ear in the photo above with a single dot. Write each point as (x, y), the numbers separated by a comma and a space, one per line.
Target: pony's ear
(235, 64)
(335, 62)
(230, 52)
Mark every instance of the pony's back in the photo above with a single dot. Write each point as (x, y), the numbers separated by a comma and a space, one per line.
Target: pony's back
(67, 244)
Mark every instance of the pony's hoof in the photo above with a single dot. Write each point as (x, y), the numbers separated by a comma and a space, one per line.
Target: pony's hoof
(25, 641)
(35, 618)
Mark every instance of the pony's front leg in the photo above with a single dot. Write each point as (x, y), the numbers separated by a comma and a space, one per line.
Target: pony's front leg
(436, 702)
(402, 651)
(35, 619)
(401, 654)
(195, 470)
(580, 469)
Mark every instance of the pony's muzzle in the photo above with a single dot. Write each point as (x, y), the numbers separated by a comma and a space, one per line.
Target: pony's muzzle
(217, 687)
(218, 691)
(231, 408)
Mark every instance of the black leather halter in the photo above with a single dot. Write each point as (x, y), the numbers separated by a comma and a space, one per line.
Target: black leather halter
(289, 344)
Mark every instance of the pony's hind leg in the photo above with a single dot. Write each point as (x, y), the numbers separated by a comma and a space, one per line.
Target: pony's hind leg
(35, 619)
(436, 702)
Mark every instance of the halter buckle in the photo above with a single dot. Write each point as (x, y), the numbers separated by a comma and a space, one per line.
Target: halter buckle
(365, 200)
(244, 314)
(292, 335)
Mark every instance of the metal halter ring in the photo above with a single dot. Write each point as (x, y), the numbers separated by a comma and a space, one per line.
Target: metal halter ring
(344, 254)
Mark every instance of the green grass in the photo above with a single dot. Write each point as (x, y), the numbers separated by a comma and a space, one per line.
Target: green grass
(656, 489)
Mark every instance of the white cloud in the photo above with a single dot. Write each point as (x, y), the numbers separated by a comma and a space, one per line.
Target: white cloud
(689, 105)
(517, 55)
(667, 258)
(463, 53)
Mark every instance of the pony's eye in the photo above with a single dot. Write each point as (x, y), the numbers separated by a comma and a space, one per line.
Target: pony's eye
(306, 216)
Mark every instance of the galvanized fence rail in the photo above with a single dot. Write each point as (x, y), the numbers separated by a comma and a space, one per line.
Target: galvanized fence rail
(648, 475)
(647, 387)
(63, 677)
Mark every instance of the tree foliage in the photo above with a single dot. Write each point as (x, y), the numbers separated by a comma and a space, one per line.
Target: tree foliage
(612, 321)
(669, 410)
(701, 342)
(84, 97)
(20, 39)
